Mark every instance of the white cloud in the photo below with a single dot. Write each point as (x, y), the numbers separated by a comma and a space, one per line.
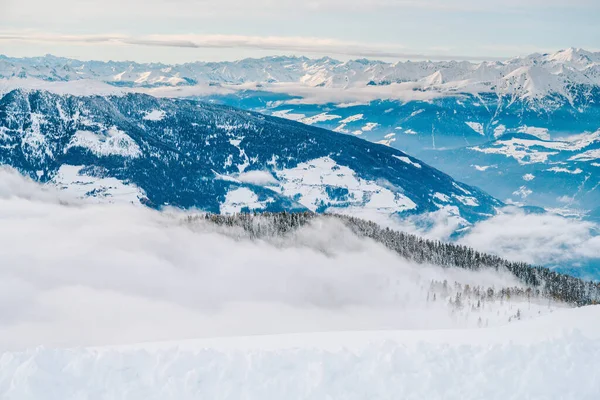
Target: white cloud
(257, 177)
(300, 44)
(540, 239)
(94, 274)
(209, 8)
(535, 238)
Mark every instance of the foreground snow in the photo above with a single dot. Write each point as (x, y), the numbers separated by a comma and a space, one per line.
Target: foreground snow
(551, 357)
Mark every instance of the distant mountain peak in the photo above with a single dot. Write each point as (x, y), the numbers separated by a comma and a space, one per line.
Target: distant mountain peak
(559, 71)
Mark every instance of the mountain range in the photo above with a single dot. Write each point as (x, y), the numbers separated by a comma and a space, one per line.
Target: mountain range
(525, 129)
(535, 76)
(394, 303)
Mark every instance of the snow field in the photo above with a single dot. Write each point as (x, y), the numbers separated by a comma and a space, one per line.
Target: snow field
(500, 363)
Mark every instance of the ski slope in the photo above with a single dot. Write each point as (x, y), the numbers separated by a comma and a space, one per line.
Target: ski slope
(551, 357)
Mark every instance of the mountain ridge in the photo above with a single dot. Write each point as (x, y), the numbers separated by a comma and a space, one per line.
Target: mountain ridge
(524, 77)
(189, 154)
(427, 109)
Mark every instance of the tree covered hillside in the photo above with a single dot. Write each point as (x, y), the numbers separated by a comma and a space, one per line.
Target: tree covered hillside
(539, 281)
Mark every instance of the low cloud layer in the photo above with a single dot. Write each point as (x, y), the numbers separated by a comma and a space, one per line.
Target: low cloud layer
(536, 238)
(74, 273)
(81, 274)
(540, 239)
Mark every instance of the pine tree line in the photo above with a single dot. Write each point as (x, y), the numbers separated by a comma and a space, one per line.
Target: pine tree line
(554, 285)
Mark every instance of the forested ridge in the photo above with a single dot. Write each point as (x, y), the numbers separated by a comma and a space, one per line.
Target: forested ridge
(554, 285)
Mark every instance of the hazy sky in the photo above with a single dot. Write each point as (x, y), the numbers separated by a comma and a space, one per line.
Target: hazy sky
(187, 30)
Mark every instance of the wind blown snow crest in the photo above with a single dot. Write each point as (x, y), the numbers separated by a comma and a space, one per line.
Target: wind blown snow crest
(508, 362)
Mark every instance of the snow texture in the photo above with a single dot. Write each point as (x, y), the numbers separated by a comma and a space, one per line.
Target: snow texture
(110, 142)
(308, 183)
(155, 115)
(408, 161)
(529, 360)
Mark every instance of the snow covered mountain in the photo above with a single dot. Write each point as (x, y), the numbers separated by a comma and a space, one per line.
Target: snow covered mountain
(350, 309)
(562, 174)
(534, 76)
(139, 148)
(441, 112)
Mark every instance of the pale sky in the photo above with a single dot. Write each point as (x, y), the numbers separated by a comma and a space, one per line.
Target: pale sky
(175, 31)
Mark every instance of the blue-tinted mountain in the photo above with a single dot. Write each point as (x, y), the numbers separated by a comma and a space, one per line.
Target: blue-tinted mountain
(440, 112)
(216, 158)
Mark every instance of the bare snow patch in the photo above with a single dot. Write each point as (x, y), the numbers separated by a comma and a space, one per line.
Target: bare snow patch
(523, 192)
(155, 115)
(520, 150)
(386, 142)
(287, 114)
(369, 126)
(342, 126)
(387, 139)
(528, 177)
(586, 155)
(319, 118)
(407, 161)
(352, 118)
(106, 143)
(309, 183)
(476, 126)
(499, 131)
(441, 197)
(77, 185)
(467, 200)
(565, 170)
(239, 199)
(541, 133)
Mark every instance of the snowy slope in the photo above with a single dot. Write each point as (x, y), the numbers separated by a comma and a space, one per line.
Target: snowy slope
(412, 106)
(558, 91)
(561, 174)
(529, 360)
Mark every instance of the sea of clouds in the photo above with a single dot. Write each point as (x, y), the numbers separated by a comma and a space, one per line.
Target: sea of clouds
(73, 273)
(551, 240)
